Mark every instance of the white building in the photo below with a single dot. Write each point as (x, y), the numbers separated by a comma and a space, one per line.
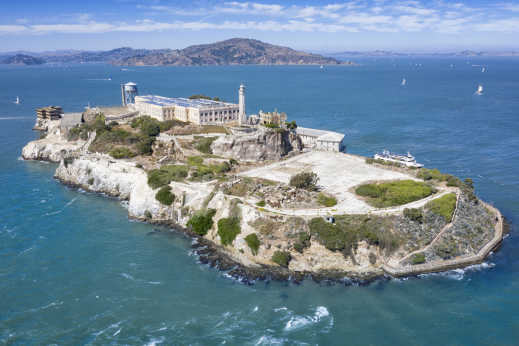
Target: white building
(196, 111)
(321, 140)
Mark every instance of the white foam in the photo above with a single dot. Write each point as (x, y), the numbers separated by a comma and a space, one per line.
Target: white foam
(154, 342)
(297, 322)
(127, 276)
(269, 340)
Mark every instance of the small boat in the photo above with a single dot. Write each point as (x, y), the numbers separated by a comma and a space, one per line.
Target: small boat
(404, 82)
(404, 160)
(322, 67)
(17, 100)
(483, 69)
(479, 91)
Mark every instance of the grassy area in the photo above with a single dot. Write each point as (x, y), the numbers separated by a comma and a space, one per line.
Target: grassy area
(443, 206)
(414, 214)
(121, 153)
(201, 171)
(202, 221)
(204, 144)
(418, 258)
(253, 242)
(326, 200)
(394, 193)
(164, 175)
(261, 203)
(265, 225)
(349, 230)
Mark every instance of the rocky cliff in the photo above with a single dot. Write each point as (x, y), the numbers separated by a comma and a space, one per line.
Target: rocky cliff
(264, 144)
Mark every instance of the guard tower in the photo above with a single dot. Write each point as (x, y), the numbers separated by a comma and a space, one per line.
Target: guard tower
(242, 116)
(128, 93)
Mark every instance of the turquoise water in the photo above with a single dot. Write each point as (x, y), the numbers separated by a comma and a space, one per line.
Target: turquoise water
(75, 270)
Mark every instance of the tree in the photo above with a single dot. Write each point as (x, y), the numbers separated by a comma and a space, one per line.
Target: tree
(305, 180)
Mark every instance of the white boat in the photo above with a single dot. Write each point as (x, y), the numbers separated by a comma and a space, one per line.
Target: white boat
(404, 82)
(483, 69)
(479, 91)
(17, 100)
(404, 160)
(321, 67)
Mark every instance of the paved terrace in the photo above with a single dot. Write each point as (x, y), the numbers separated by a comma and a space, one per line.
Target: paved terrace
(338, 174)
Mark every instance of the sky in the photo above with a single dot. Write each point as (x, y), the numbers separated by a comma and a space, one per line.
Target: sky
(311, 25)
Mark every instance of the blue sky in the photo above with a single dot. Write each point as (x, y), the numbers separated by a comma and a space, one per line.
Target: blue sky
(324, 26)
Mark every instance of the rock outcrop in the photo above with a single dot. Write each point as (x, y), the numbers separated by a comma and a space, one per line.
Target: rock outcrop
(264, 144)
(53, 146)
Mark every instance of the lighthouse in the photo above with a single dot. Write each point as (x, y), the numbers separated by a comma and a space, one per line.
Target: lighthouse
(241, 115)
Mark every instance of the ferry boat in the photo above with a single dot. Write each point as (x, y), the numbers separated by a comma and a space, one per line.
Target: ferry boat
(404, 160)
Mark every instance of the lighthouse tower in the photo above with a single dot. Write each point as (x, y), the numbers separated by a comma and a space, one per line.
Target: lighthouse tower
(242, 117)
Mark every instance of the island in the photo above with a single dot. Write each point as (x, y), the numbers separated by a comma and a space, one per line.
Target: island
(263, 197)
(235, 51)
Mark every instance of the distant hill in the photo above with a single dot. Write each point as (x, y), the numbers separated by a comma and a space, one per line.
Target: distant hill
(22, 59)
(383, 53)
(235, 51)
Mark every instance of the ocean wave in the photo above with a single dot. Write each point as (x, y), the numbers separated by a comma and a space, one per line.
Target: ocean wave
(269, 340)
(459, 274)
(298, 322)
(155, 341)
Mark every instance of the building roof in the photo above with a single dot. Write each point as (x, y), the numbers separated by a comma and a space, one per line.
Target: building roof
(320, 135)
(180, 101)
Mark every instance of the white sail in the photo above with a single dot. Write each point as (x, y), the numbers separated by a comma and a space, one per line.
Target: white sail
(17, 100)
(480, 90)
(404, 81)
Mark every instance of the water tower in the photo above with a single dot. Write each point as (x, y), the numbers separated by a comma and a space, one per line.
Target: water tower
(128, 93)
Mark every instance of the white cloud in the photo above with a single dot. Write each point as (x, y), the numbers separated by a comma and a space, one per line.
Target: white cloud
(440, 16)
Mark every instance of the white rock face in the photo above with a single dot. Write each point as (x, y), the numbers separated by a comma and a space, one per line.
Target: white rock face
(100, 173)
(49, 150)
(54, 147)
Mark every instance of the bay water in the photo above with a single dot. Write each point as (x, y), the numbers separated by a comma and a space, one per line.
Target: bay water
(75, 270)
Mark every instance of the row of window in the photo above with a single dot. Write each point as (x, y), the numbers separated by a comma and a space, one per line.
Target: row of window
(233, 111)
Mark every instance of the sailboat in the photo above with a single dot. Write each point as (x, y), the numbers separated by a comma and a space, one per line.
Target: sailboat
(479, 91)
(404, 82)
(17, 100)
(483, 69)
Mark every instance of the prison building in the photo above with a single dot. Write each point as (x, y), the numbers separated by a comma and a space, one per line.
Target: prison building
(196, 111)
(321, 140)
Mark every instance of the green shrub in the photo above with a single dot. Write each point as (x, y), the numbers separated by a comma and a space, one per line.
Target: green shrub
(469, 183)
(261, 203)
(166, 174)
(370, 160)
(281, 258)
(443, 206)
(394, 193)
(165, 196)
(204, 144)
(68, 160)
(121, 153)
(291, 125)
(147, 215)
(327, 201)
(202, 221)
(144, 146)
(228, 229)
(90, 181)
(253, 243)
(271, 125)
(418, 258)
(414, 214)
(305, 180)
(303, 241)
(452, 180)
